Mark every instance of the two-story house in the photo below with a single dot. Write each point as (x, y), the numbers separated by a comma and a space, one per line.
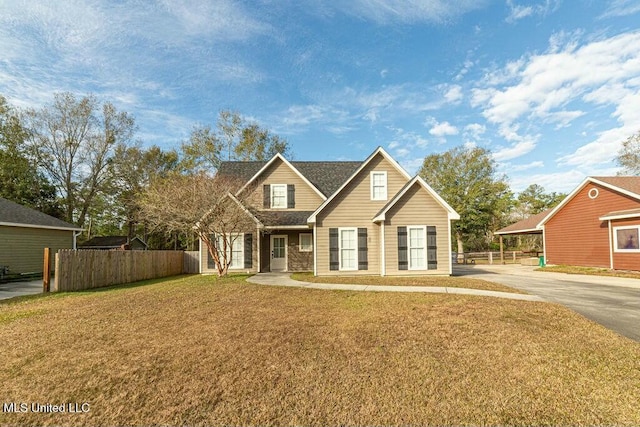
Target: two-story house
(338, 218)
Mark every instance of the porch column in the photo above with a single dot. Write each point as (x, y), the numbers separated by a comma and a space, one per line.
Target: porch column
(258, 238)
(501, 250)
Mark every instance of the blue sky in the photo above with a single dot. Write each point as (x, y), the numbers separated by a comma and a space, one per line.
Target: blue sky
(551, 87)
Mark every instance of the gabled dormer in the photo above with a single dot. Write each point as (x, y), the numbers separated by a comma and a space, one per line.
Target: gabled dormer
(378, 178)
(279, 186)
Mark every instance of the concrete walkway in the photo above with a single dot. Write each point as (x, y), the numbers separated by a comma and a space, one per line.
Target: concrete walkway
(17, 289)
(283, 279)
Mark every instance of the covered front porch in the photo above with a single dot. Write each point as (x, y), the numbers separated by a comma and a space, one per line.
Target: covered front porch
(286, 241)
(286, 249)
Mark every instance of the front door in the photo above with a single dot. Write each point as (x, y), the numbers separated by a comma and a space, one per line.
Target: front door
(278, 253)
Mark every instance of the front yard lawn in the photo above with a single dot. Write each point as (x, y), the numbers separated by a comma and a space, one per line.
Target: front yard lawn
(442, 281)
(198, 350)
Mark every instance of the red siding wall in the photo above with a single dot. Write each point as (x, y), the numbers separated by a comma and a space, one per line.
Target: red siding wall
(575, 235)
(621, 260)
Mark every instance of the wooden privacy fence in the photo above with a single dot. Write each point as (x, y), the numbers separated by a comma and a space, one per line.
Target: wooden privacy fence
(88, 269)
(510, 257)
(191, 262)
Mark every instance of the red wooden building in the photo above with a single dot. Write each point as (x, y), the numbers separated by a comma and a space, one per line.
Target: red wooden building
(596, 225)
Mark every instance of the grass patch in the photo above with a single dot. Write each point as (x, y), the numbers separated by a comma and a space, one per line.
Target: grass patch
(441, 281)
(200, 350)
(592, 271)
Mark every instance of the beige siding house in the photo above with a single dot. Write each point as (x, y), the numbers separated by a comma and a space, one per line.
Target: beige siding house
(339, 218)
(24, 233)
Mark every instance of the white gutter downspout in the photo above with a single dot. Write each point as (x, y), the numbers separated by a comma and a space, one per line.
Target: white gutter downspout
(258, 239)
(450, 245)
(75, 237)
(315, 250)
(383, 268)
(610, 245)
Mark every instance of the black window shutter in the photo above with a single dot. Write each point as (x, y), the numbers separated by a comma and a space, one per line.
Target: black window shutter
(291, 196)
(248, 250)
(266, 196)
(363, 263)
(432, 248)
(334, 258)
(403, 262)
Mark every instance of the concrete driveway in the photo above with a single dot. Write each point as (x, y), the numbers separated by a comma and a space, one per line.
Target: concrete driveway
(611, 301)
(16, 289)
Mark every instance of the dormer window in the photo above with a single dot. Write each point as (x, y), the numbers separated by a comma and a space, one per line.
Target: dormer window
(379, 185)
(278, 196)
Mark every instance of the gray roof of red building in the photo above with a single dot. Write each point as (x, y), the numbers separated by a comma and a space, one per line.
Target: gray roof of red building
(14, 213)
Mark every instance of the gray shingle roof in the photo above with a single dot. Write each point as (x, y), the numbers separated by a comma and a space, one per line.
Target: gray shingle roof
(526, 225)
(326, 176)
(275, 218)
(14, 213)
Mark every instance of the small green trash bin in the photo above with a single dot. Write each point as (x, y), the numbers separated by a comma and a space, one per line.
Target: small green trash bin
(541, 261)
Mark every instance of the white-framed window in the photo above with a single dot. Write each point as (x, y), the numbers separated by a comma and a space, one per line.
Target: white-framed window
(378, 185)
(305, 242)
(348, 248)
(417, 246)
(278, 196)
(626, 239)
(235, 249)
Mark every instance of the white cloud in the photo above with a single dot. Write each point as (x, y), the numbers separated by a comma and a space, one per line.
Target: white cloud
(466, 67)
(402, 152)
(622, 8)
(91, 45)
(516, 150)
(408, 11)
(412, 166)
(474, 130)
(563, 182)
(517, 12)
(519, 168)
(408, 139)
(453, 94)
(443, 129)
(298, 118)
(532, 91)
(540, 88)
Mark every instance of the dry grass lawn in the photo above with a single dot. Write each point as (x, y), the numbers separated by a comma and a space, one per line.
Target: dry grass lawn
(593, 271)
(442, 281)
(197, 350)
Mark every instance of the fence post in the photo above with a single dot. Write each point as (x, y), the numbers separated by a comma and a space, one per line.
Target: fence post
(56, 282)
(46, 272)
(514, 257)
(490, 258)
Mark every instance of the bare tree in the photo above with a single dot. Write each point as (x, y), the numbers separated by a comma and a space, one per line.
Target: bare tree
(73, 140)
(202, 204)
(629, 155)
(233, 138)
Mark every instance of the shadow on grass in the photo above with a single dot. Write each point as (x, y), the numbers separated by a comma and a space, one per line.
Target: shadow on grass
(24, 298)
(460, 270)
